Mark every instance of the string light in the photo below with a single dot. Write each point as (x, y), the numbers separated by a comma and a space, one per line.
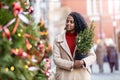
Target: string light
(12, 68)
(6, 69)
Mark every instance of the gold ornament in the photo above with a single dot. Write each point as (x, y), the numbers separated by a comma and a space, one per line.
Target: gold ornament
(21, 30)
(6, 69)
(19, 35)
(12, 68)
(26, 66)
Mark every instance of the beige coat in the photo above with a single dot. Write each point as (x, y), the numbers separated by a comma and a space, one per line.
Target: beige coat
(100, 52)
(64, 61)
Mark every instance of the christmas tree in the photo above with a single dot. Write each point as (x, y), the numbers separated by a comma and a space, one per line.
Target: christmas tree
(84, 38)
(44, 48)
(84, 42)
(24, 55)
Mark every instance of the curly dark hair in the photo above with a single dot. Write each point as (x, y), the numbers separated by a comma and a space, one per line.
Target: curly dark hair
(80, 23)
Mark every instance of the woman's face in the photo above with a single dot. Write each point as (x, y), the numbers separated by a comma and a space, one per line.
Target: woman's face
(70, 25)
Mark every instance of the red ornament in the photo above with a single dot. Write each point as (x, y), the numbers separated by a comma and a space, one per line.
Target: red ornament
(7, 33)
(47, 65)
(17, 8)
(47, 73)
(28, 45)
(1, 5)
(41, 46)
(13, 51)
(30, 10)
(20, 52)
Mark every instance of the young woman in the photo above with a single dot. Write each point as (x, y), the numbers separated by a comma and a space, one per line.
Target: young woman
(64, 51)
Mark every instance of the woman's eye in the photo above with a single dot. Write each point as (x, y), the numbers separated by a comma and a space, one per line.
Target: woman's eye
(71, 22)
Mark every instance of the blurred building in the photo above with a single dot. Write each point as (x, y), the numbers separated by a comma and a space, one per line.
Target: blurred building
(105, 13)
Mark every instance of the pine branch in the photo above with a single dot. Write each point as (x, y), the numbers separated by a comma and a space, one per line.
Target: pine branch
(85, 39)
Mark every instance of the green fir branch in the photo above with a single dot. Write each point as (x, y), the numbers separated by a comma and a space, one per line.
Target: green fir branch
(85, 39)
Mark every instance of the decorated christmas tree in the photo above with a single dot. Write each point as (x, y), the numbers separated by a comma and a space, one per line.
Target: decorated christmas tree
(24, 53)
(44, 48)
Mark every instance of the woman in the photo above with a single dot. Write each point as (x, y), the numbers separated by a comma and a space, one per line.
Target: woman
(100, 53)
(112, 56)
(64, 51)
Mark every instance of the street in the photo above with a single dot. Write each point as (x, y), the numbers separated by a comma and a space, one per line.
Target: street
(101, 76)
(106, 75)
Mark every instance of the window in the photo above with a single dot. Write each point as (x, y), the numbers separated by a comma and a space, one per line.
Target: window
(94, 7)
(114, 8)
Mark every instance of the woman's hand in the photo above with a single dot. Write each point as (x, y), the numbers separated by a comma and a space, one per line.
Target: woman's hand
(78, 64)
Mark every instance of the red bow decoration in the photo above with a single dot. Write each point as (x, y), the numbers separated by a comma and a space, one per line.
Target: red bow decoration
(17, 8)
(20, 53)
(28, 45)
(6, 33)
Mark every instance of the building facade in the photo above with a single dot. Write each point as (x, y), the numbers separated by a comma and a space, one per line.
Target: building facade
(105, 13)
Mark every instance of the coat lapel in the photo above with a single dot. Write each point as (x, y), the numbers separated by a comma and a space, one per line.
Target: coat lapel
(64, 45)
(74, 51)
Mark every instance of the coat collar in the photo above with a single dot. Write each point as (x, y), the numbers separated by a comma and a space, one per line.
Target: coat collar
(62, 40)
